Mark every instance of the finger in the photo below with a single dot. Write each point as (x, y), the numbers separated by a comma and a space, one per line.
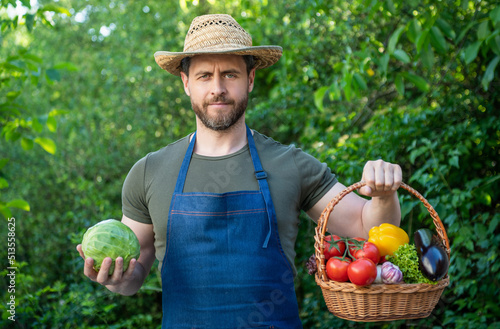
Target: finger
(369, 174)
(103, 275)
(379, 176)
(389, 180)
(80, 251)
(368, 177)
(365, 190)
(398, 177)
(118, 272)
(131, 267)
(393, 177)
(88, 269)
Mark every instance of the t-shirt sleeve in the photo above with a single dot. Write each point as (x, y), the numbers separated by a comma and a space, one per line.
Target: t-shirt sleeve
(134, 203)
(316, 179)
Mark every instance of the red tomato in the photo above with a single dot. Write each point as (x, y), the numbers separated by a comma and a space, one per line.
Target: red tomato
(352, 246)
(334, 246)
(369, 251)
(336, 269)
(362, 272)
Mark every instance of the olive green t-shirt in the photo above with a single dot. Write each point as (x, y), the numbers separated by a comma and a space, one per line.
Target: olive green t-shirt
(297, 182)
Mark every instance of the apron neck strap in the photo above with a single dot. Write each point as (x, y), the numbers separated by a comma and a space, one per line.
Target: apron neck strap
(261, 176)
(181, 178)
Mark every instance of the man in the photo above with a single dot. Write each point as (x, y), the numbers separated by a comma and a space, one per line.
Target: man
(219, 208)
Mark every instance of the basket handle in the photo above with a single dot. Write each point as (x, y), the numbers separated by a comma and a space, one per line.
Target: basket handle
(325, 215)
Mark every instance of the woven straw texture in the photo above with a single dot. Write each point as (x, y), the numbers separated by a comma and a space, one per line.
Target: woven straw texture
(218, 34)
(377, 302)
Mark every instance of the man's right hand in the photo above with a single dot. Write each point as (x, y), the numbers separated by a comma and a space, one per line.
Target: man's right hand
(117, 278)
(129, 282)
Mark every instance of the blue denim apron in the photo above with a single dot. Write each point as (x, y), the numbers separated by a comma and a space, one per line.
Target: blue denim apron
(224, 266)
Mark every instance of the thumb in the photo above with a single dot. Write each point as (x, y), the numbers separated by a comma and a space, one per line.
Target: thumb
(365, 190)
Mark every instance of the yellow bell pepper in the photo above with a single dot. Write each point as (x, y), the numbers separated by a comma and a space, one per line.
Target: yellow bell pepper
(387, 238)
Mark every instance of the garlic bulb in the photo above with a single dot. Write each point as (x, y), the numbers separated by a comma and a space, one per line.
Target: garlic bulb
(391, 273)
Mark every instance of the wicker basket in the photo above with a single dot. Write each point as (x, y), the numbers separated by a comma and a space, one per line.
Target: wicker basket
(377, 302)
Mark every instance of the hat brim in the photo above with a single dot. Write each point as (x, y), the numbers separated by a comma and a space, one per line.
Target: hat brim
(265, 56)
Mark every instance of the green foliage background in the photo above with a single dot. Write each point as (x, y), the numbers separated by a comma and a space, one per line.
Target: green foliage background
(81, 100)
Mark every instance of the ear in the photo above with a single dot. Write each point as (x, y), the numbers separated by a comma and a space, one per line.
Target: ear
(185, 80)
(251, 79)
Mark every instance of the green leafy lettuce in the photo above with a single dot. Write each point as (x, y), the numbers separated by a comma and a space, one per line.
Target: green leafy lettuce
(406, 258)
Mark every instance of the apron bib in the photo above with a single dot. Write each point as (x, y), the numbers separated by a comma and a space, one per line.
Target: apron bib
(224, 266)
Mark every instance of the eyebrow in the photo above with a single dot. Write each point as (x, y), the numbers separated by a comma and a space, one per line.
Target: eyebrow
(200, 73)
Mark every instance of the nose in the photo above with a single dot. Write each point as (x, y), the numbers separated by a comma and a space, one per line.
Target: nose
(218, 86)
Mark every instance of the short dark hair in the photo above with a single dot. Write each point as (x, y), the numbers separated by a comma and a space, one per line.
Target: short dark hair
(249, 61)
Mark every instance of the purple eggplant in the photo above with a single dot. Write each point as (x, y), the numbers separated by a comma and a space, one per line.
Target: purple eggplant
(433, 260)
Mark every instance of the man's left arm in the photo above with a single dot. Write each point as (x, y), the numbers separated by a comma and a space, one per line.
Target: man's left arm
(354, 216)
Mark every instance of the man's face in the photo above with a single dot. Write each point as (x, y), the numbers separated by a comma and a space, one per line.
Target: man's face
(218, 86)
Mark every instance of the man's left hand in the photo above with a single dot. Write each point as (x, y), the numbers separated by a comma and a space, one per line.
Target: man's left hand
(382, 178)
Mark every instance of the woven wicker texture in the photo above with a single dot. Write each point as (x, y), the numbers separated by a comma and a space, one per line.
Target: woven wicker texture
(377, 302)
(217, 34)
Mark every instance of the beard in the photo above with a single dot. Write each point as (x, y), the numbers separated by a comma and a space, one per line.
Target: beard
(220, 121)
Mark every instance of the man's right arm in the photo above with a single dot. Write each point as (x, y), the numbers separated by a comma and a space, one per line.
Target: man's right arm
(129, 282)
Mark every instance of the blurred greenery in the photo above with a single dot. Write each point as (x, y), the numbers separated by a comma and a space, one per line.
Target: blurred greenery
(81, 100)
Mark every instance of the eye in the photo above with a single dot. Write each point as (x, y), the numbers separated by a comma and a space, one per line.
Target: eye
(230, 75)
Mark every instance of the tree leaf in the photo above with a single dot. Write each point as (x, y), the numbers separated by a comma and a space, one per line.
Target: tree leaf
(47, 144)
(29, 21)
(418, 81)
(495, 15)
(347, 86)
(422, 40)
(53, 75)
(471, 51)
(490, 72)
(33, 58)
(3, 183)
(36, 125)
(494, 223)
(360, 81)
(12, 95)
(26, 143)
(52, 123)
(5, 211)
(427, 56)
(318, 97)
(18, 203)
(400, 85)
(413, 30)
(453, 161)
(66, 66)
(469, 245)
(483, 30)
(464, 31)
(393, 41)
(389, 5)
(56, 112)
(55, 8)
(401, 55)
(438, 41)
(334, 91)
(384, 63)
(417, 152)
(445, 28)
(494, 42)
(3, 162)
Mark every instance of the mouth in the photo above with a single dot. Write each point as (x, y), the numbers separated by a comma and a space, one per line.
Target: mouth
(219, 104)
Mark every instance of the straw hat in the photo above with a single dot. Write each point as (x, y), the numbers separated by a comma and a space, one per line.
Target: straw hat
(217, 34)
